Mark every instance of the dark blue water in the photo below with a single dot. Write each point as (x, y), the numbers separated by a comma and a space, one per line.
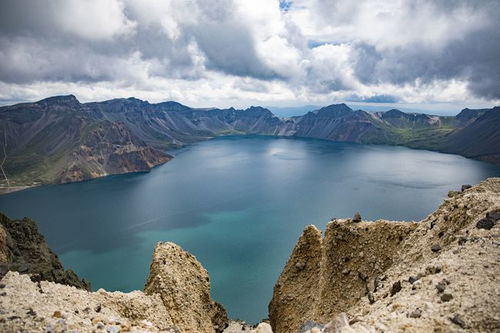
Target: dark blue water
(237, 203)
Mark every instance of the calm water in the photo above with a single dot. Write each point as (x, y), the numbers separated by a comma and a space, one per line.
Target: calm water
(239, 204)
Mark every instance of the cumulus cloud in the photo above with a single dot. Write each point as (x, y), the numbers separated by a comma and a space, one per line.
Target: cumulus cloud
(227, 52)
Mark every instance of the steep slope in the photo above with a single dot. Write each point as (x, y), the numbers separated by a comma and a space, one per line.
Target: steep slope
(170, 124)
(480, 138)
(60, 140)
(439, 274)
(23, 249)
(177, 299)
(338, 123)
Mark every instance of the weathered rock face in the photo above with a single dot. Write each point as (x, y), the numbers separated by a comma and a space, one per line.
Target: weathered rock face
(176, 299)
(326, 275)
(184, 287)
(23, 249)
(296, 293)
(50, 307)
(439, 274)
(109, 148)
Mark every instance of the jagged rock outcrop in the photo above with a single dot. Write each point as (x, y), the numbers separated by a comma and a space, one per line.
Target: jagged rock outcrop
(439, 274)
(176, 299)
(23, 249)
(184, 287)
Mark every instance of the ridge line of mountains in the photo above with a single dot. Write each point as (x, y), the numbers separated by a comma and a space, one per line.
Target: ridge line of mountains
(59, 139)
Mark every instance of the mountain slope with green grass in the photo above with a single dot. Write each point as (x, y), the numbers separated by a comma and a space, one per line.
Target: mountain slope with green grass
(59, 139)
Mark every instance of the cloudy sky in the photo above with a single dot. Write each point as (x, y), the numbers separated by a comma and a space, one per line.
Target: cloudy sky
(421, 53)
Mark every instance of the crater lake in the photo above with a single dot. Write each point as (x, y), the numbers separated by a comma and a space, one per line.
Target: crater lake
(239, 204)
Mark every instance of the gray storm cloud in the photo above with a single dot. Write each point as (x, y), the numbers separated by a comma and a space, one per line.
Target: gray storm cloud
(307, 50)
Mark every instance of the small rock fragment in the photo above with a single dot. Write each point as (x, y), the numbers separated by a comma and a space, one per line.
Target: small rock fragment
(456, 319)
(300, 265)
(466, 187)
(396, 287)
(412, 279)
(57, 314)
(416, 313)
(446, 297)
(485, 223)
(357, 217)
(362, 276)
(436, 248)
(371, 299)
(441, 286)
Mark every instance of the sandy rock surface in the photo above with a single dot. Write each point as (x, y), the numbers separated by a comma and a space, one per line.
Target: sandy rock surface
(184, 287)
(176, 299)
(437, 275)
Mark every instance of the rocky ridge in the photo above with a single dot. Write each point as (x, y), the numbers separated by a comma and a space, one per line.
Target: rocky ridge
(176, 299)
(59, 139)
(23, 249)
(439, 274)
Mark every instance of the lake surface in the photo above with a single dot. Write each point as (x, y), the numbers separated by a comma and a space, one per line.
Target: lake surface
(237, 203)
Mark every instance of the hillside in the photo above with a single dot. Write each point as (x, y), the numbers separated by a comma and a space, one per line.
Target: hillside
(480, 139)
(59, 139)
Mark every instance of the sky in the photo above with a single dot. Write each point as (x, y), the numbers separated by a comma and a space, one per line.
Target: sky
(421, 54)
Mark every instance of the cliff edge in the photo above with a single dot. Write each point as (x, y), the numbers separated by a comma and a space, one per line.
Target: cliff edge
(176, 299)
(439, 274)
(23, 249)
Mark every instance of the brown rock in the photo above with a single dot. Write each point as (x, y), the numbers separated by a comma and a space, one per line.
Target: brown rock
(356, 217)
(395, 251)
(296, 291)
(396, 288)
(183, 285)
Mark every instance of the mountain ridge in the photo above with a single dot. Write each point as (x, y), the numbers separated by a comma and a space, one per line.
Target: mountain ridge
(58, 139)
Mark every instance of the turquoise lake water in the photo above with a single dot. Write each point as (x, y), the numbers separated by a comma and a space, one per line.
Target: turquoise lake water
(237, 203)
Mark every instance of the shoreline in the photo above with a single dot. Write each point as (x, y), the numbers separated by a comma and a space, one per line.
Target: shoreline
(12, 189)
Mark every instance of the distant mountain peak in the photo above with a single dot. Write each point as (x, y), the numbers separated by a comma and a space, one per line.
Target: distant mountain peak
(173, 105)
(467, 115)
(60, 100)
(137, 100)
(334, 109)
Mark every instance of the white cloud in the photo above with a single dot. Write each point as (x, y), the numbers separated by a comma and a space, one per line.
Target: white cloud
(235, 52)
(93, 19)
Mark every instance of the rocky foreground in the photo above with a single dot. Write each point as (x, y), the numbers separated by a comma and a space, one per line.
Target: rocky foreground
(436, 275)
(176, 298)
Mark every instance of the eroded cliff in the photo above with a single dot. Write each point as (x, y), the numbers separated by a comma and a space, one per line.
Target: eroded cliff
(439, 274)
(176, 299)
(23, 249)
